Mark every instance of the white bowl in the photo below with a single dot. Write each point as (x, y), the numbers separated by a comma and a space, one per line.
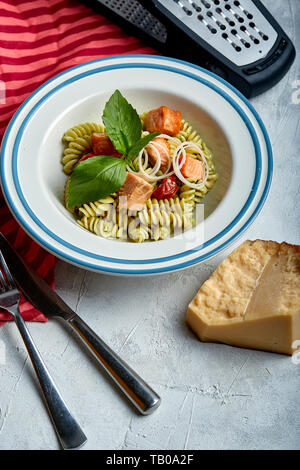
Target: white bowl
(33, 181)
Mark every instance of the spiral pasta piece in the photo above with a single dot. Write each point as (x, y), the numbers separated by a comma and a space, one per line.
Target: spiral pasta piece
(98, 208)
(100, 226)
(156, 221)
(187, 194)
(201, 193)
(74, 151)
(81, 130)
(136, 232)
(187, 133)
(89, 223)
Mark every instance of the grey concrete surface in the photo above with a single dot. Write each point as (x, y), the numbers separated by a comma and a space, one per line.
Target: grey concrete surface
(213, 396)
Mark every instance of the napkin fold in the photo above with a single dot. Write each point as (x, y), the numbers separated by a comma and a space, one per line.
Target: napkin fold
(41, 261)
(39, 39)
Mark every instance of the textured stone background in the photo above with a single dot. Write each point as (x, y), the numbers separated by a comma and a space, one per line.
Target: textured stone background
(213, 396)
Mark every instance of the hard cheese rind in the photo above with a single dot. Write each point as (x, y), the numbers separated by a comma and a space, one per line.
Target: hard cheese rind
(252, 300)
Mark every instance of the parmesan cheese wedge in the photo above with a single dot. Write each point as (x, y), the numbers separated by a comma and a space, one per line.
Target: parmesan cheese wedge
(252, 300)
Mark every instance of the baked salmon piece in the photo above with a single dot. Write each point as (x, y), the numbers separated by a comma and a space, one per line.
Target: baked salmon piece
(163, 147)
(137, 191)
(163, 120)
(102, 145)
(193, 168)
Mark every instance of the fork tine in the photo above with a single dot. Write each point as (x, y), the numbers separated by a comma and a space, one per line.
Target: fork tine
(8, 275)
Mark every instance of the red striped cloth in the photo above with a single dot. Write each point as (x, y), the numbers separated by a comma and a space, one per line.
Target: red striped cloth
(38, 39)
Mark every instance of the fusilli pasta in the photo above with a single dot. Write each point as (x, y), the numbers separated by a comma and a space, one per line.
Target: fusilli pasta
(78, 141)
(81, 130)
(158, 219)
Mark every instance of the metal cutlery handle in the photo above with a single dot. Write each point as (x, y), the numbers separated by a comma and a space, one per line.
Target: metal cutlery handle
(68, 430)
(135, 388)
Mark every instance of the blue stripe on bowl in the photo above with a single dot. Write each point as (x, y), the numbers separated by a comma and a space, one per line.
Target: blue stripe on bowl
(75, 260)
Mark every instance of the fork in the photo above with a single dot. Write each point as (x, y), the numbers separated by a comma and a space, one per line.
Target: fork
(68, 430)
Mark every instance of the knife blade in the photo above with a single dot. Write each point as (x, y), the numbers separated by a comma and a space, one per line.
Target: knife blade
(40, 294)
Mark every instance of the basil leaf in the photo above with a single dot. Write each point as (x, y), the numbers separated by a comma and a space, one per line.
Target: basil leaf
(94, 178)
(140, 144)
(122, 122)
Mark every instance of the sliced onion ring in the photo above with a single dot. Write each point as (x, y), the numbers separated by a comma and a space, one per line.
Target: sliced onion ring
(180, 151)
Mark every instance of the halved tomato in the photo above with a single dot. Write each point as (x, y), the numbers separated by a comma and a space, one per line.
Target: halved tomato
(167, 189)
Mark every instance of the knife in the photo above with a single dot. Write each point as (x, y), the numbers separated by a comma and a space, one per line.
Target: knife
(51, 305)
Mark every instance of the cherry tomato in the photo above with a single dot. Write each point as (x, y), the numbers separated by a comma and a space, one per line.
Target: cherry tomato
(85, 157)
(167, 189)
